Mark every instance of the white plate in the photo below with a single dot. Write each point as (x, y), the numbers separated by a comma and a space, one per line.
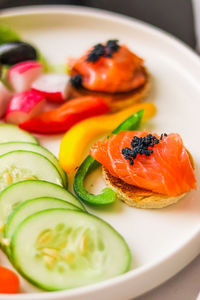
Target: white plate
(162, 241)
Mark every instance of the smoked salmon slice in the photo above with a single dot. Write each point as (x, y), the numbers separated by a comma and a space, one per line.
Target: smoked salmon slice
(121, 72)
(168, 170)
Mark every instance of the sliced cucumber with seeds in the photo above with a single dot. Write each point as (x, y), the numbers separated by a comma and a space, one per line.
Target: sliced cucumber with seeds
(29, 207)
(66, 249)
(12, 146)
(22, 191)
(22, 165)
(11, 133)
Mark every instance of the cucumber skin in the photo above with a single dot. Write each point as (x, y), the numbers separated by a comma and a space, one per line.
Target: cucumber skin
(46, 182)
(37, 154)
(10, 217)
(16, 127)
(6, 249)
(64, 174)
(45, 288)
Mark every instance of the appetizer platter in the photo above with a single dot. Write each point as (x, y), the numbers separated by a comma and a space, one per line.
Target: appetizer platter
(99, 159)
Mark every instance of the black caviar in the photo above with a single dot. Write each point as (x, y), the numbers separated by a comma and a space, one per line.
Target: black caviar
(100, 50)
(163, 134)
(96, 53)
(76, 81)
(112, 46)
(140, 145)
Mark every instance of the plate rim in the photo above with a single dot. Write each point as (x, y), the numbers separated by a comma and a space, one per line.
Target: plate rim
(194, 239)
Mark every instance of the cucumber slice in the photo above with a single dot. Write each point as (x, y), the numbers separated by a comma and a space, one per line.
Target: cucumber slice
(66, 249)
(22, 191)
(22, 165)
(12, 146)
(27, 208)
(11, 133)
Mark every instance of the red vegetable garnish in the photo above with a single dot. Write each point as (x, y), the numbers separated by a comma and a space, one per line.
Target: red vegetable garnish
(9, 281)
(68, 114)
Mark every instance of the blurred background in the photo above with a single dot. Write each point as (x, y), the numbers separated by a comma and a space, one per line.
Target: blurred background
(174, 16)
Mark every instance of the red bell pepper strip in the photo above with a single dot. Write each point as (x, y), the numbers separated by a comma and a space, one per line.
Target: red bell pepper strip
(61, 119)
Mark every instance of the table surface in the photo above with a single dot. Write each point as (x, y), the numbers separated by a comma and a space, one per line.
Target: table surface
(176, 17)
(184, 286)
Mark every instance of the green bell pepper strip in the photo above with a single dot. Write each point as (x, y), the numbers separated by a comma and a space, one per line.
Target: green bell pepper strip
(107, 195)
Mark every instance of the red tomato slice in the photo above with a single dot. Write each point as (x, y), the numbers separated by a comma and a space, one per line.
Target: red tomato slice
(9, 281)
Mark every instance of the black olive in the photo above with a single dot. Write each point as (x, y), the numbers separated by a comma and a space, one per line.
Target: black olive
(14, 52)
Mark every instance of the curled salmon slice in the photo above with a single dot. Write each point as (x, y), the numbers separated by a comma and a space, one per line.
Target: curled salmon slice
(123, 72)
(168, 170)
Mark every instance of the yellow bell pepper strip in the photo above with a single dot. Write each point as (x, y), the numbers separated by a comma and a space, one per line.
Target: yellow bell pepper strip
(76, 140)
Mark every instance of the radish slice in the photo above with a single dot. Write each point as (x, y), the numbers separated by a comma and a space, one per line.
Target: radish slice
(22, 75)
(54, 87)
(24, 106)
(5, 96)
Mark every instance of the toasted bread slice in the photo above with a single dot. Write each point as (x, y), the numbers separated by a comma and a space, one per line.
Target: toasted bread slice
(137, 197)
(117, 101)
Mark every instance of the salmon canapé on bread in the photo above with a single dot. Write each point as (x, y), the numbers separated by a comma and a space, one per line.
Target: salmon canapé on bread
(111, 71)
(144, 169)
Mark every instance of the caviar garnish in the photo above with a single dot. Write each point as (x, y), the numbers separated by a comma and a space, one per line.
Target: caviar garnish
(163, 134)
(100, 50)
(112, 46)
(140, 145)
(96, 53)
(76, 81)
